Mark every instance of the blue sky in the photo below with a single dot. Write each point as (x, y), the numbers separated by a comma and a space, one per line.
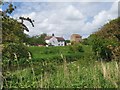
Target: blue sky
(66, 18)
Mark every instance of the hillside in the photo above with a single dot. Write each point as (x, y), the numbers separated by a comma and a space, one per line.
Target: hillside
(110, 30)
(106, 41)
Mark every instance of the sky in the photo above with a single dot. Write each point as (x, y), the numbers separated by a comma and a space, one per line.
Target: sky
(66, 18)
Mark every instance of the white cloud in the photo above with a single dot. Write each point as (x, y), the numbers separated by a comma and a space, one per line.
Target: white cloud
(63, 19)
(73, 14)
(0, 9)
(101, 18)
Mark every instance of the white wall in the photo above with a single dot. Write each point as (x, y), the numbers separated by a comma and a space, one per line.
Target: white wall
(47, 41)
(61, 43)
(54, 41)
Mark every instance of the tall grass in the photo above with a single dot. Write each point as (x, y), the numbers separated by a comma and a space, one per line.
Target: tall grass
(84, 72)
(67, 75)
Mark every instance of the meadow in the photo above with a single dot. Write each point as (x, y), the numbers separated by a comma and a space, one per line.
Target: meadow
(62, 67)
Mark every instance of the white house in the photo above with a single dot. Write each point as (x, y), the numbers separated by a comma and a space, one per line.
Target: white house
(55, 41)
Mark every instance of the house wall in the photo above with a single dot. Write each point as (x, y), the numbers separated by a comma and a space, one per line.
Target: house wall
(75, 39)
(47, 41)
(61, 43)
(53, 41)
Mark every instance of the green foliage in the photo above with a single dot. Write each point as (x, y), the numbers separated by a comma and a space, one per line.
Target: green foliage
(67, 41)
(110, 30)
(12, 48)
(13, 36)
(74, 70)
(85, 41)
(39, 54)
(54, 54)
(106, 37)
(66, 75)
(99, 46)
(36, 40)
(11, 31)
(76, 48)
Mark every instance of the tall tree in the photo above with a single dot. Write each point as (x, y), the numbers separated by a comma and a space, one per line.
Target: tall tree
(13, 34)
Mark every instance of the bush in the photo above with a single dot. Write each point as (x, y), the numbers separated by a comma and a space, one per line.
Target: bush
(11, 49)
(76, 48)
(101, 49)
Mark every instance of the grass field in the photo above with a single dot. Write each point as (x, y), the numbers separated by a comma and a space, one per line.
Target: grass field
(84, 72)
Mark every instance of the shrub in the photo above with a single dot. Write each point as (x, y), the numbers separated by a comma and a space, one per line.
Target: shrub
(76, 48)
(101, 49)
(10, 49)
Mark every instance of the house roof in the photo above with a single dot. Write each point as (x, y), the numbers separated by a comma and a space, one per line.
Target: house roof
(58, 38)
(48, 37)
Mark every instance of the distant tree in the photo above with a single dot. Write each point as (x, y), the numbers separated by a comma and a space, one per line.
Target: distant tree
(67, 41)
(38, 39)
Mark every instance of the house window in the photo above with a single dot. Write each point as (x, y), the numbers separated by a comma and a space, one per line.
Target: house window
(53, 41)
(58, 44)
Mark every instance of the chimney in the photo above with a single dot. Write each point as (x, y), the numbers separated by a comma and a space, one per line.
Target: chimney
(53, 34)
